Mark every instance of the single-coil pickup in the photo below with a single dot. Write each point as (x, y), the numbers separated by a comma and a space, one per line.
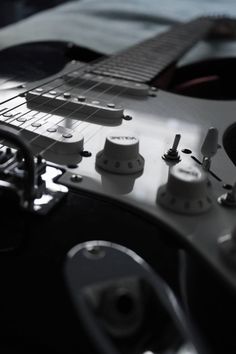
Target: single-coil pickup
(59, 103)
(105, 82)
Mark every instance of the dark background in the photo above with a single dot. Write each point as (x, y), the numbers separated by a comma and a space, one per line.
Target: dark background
(15, 10)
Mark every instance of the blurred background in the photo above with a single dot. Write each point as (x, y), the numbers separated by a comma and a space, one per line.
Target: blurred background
(15, 10)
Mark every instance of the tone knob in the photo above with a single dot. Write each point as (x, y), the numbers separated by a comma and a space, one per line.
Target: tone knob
(227, 247)
(120, 154)
(186, 190)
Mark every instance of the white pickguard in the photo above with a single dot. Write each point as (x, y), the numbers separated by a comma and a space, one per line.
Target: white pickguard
(155, 121)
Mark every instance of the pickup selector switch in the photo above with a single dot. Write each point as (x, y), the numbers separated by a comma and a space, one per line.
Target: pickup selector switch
(209, 147)
(172, 154)
(186, 190)
(120, 154)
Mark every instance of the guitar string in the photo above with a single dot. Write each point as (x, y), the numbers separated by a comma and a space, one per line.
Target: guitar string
(67, 102)
(123, 90)
(79, 123)
(9, 121)
(50, 145)
(64, 117)
(47, 101)
(52, 78)
(20, 74)
(79, 108)
(75, 70)
(64, 103)
(6, 121)
(100, 60)
(49, 113)
(57, 108)
(17, 117)
(50, 99)
(39, 86)
(71, 114)
(90, 66)
(101, 127)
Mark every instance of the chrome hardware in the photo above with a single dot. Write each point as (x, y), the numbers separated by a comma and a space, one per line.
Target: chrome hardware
(76, 105)
(30, 179)
(172, 154)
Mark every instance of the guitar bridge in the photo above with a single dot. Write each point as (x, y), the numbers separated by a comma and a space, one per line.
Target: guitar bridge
(29, 179)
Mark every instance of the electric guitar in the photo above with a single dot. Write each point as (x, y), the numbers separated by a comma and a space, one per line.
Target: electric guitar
(126, 149)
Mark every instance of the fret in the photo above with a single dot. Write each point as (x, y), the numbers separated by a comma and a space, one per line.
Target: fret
(132, 68)
(146, 60)
(115, 75)
(123, 75)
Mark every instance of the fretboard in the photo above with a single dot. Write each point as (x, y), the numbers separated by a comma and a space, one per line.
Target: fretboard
(146, 60)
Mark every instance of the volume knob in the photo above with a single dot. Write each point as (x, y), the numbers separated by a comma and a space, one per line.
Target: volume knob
(120, 154)
(186, 190)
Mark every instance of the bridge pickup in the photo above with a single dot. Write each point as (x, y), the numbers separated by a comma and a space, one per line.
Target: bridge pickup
(104, 82)
(61, 102)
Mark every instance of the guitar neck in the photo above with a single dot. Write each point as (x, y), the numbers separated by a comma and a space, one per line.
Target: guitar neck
(146, 60)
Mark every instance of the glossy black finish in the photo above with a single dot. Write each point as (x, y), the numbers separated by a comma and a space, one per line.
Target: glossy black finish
(35, 61)
(36, 312)
(210, 79)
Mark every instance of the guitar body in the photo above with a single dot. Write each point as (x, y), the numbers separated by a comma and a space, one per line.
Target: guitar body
(36, 313)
